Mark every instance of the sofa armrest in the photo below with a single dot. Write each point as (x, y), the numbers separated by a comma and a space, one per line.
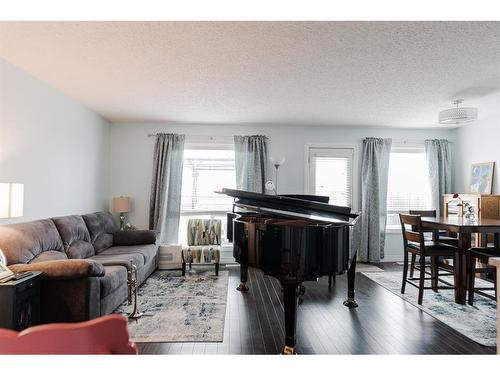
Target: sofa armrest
(123, 263)
(63, 269)
(135, 237)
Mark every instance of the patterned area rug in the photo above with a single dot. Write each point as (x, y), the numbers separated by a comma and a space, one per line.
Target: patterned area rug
(180, 309)
(477, 322)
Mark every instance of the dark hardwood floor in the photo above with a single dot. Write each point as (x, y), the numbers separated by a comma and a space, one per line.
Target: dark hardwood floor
(382, 324)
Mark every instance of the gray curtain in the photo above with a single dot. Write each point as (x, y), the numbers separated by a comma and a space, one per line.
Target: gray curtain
(374, 176)
(251, 162)
(438, 154)
(166, 184)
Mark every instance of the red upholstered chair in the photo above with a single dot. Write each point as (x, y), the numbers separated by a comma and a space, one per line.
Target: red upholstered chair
(105, 335)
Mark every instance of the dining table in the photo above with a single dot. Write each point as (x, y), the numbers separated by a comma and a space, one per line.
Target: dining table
(464, 228)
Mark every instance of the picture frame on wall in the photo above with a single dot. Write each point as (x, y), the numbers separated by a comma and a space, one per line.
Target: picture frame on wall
(481, 177)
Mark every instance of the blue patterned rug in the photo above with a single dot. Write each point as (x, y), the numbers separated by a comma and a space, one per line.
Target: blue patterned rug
(181, 309)
(477, 322)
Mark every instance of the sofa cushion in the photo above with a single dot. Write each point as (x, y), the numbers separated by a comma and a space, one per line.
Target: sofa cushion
(148, 252)
(49, 255)
(135, 237)
(112, 279)
(22, 243)
(75, 236)
(120, 259)
(203, 232)
(101, 226)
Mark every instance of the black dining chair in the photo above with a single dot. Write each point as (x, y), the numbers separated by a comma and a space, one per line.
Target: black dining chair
(415, 243)
(482, 256)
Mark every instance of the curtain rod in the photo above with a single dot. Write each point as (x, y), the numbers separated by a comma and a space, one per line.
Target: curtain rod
(414, 141)
(205, 139)
(202, 136)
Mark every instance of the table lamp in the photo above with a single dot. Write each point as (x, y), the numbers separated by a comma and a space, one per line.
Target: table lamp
(11, 205)
(122, 206)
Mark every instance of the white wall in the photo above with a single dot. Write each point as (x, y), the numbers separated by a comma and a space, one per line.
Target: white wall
(57, 148)
(478, 142)
(132, 156)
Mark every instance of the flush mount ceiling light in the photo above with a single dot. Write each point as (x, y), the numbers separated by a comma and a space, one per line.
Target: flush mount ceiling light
(458, 115)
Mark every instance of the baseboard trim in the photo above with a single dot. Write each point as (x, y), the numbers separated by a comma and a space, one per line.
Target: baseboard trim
(391, 259)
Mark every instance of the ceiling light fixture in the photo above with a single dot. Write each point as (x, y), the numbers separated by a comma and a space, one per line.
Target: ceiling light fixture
(458, 115)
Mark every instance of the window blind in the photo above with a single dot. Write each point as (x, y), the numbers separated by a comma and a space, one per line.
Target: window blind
(332, 174)
(204, 172)
(408, 185)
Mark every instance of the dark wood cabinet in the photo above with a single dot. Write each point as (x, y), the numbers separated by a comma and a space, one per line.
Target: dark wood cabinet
(20, 302)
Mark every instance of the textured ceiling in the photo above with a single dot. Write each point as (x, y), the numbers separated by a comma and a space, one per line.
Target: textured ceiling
(317, 73)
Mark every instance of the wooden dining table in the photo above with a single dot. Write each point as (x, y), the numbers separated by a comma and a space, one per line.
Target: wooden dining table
(464, 228)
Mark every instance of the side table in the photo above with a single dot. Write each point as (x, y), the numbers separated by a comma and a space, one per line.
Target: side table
(20, 302)
(169, 257)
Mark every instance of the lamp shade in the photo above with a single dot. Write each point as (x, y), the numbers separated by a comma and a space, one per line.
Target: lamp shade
(121, 204)
(458, 115)
(11, 200)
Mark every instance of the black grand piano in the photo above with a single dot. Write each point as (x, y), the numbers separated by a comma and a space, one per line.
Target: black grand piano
(295, 239)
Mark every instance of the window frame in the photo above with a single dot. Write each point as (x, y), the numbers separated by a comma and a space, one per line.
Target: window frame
(406, 148)
(355, 168)
(209, 143)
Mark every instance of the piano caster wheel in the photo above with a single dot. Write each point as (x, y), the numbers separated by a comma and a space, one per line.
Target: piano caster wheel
(287, 350)
(331, 280)
(242, 287)
(351, 303)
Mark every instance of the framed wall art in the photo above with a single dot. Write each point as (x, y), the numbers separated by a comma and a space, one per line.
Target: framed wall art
(481, 177)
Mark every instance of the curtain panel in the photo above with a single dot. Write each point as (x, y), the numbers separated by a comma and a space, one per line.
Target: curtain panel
(438, 154)
(374, 176)
(251, 162)
(166, 184)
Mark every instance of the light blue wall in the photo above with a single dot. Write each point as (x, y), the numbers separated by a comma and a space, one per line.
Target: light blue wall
(53, 145)
(478, 142)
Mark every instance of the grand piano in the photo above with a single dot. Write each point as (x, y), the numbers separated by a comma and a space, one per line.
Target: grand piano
(294, 239)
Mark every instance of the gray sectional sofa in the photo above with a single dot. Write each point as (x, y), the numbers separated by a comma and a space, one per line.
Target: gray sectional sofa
(84, 262)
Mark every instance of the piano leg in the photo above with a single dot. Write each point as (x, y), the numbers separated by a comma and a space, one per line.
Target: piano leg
(331, 278)
(243, 278)
(351, 273)
(290, 294)
(301, 290)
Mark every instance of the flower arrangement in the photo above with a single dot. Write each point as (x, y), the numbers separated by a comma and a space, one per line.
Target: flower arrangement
(468, 210)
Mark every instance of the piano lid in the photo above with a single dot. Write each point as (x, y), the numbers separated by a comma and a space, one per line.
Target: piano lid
(291, 206)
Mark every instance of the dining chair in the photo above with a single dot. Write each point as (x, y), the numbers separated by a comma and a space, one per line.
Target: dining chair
(444, 237)
(481, 255)
(415, 243)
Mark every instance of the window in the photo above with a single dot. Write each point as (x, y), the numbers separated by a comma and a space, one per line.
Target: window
(204, 172)
(331, 174)
(207, 168)
(408, 185)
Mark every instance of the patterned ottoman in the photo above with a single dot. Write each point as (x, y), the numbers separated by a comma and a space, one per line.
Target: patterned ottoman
(203, 238)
